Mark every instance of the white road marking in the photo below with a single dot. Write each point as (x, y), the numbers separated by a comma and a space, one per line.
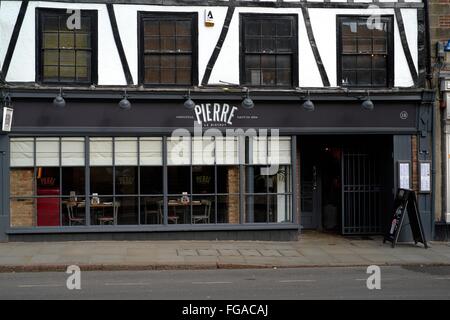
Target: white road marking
(448, 278)
(40, 285)
(127, 284)
(293, 281)
(215, 282)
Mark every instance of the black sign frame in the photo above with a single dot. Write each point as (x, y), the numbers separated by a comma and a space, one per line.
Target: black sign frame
(405, 203)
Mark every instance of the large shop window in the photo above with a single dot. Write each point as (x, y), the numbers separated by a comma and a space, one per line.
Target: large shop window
(269, 50)
(105, 181)
(365, 56)
(168, 45)
(66, 55)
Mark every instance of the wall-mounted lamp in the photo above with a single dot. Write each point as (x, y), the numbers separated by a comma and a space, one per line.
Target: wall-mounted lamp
(189, 103)
(125, 104)
(308, 105)
(59, 101)
(367, 104)
(247, 103)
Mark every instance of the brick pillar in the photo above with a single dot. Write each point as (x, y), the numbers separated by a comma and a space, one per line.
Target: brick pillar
(22, 210)
(233, 201)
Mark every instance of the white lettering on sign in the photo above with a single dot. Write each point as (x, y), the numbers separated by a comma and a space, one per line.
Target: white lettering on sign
(215, 113)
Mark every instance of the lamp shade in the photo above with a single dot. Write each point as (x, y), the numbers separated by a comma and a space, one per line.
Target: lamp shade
(59, 101)
(308, 105)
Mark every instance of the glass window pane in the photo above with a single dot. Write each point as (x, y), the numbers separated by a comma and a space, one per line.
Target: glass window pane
(203, 179)
(50, 73)
(167, 28)
(268, 61)
(50, 40)
(258, 153)
(349, 78)
(253, 45)
(379, 77)
(179, 180)
(72, 151)
(257, 205)
(268, 45)
(284, 28)
(252, 28)
(47, 181)
(168, 76)
(203, 150)
(100, 151)
(203, 210)
(168, 44)
(379, 45)
(82, 40)
(151, 28)
(66, 40)
(252, 61)
(151, 43)
(83, 58)
(228, 179)
(280, 150)
(183, 28)
(268, 77)
(47, 152)
(349, 45)
(21, 182)
(22, 152)
(73, 211)
(126, 151)
(73, 181)
(184, 76)
(348, 62)
(67, 73)
(364, 77)
(364, 62)
(150, 151)
(179, 150)
(379, 62)
(228, 209)
(101, 180)
(67, 57)
(152, 180)
(127, 210)
(51, 57)
(151, 75)
(364, 45)
(184, 44)
(50, 23)
(227, 150)
(280, 208)
(126, 180)
(284, 45)
(152, 209)
(269, 28)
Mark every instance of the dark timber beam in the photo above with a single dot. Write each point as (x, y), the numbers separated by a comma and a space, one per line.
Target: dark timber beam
(401, 29)
(315, 50)
(13, 41)
(213, 59)
(116, 34)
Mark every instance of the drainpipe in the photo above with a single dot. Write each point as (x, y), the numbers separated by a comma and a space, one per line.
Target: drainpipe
(429, 77)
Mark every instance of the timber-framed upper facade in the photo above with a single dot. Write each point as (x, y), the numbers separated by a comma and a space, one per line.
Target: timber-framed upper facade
(213, 55)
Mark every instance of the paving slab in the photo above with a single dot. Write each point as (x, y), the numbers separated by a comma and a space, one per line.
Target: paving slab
(249, 252)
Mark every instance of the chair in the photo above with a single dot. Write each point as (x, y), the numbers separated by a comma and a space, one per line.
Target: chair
(72, 219)
(204, 215)
(153, 209)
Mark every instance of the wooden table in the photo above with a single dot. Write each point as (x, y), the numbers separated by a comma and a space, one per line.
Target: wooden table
(101, 205)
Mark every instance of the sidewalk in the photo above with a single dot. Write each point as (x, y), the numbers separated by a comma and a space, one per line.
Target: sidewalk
(313, 249)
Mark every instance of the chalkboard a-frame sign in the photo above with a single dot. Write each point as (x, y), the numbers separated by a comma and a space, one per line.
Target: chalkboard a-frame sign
(405, 202)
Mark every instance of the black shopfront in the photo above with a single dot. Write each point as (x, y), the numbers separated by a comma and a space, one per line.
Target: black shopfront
(93, 171)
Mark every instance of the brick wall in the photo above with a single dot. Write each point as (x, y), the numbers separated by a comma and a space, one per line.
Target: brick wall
(22, 210)
(233, 201)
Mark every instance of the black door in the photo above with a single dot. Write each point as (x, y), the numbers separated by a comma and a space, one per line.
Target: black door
(310, 195)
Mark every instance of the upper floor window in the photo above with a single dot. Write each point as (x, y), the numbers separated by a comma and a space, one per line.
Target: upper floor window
(168, 49)
(66, 55)
(365, 53)
(268, 50)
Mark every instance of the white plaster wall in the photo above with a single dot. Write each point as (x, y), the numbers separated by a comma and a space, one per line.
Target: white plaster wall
(126, 16)
(8, 16)
(324, 27)
(22, 67)
(410, 23)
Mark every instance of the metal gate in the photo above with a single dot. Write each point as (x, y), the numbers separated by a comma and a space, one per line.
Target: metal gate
(361, 193)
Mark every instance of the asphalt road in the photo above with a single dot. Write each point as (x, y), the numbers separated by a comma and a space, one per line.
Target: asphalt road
(286, 284)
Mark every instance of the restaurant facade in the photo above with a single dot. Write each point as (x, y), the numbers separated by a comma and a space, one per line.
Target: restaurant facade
(226, 121)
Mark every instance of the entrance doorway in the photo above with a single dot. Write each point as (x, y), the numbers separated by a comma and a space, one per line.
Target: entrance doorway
(345, 183)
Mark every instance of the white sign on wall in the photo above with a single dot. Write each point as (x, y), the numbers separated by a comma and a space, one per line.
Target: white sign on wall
(404, 175)
(7, 119)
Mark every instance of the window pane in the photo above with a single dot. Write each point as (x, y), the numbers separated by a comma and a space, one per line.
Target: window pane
(349, 29)
(227, 150)
(379, 46)
(284, 77)
(50, 23)
(269, 28)
(150, 151)
(184, 28)
(167, 61)
(83, 58)
(364, 77)
(252, 28)
(72, 151)
(151, 60)
(259, 150)
(151, 28)
(67, 57)
(152, 210)
(21, 182)
(151, 75)
(168, 44)
(284, 45)
(82, 40)
(253, 45)
(183, 76)
(47, 152)
(252, 61)
(168, 76)
(203, 151)
(179, 180)
(73, 181)
(284, 62)
(379, 62)
(364, 45)
(379, 77)
(126, 180)
(284, 28)
(268, 61)
(184, 44)
(179, 150)
(51, 57)
(50, 73)
(257, 207)
(127, 210)
(66, 40)
(268, 77)
(268, 45)
(203, 181)
(228, 210)
(280, 208)
(151, 43)
(364, 62)
(73, 211)
(349, 45)
(102, 180)
(50, 40)
(253, 77)
(22, 152)
(280, 150)
(228, 179)
(349, 77)
(126, 151)
(47, 181)
(83, 74)
(203, 210)
(100, 151)
(167, 28)
(152, 180)
(348, 62)
(67, 73)
(184, 61)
